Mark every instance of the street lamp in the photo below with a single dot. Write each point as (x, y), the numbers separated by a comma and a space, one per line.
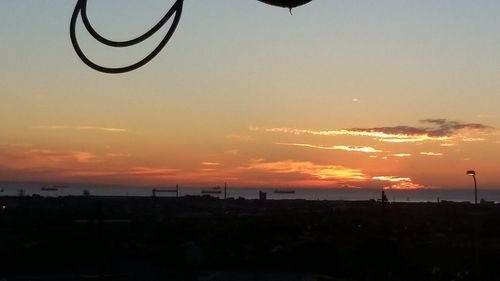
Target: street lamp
(473, 174)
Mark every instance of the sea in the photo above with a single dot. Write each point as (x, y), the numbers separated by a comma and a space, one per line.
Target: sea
(305, 193)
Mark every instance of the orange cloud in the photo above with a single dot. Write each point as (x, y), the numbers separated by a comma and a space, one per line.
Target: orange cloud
(21, 158)
(398, 182)
(131, 175)
(366, 149)
(447, 144)
(62, 127)
(212, 164)
(238, 137)
(470, 139)
(436, 130)
(117, 155)
(402, 155)
(323, 172)
(162, 171)
(390, 178)
(381, 136)
(431, 153)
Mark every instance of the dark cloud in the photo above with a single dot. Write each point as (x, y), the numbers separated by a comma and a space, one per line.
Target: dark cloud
(432, 127)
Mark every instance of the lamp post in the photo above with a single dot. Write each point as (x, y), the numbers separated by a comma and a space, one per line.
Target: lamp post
(473, 174)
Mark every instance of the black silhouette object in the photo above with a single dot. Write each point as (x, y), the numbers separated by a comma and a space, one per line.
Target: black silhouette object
(384, 198)
(175, 10)
(290, 4)
(81, 9)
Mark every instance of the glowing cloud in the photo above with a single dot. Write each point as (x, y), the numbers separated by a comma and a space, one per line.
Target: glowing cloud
(448, 144)
(431, 153)
(380, 135)
(324, 172)
(26, 158)
(398, 182)
(469, 139)
(402, 155)
(390, 178)
(95, 128)
(439, 130)
(210, 164)
(151, 171)
(238, 137)
(365, 149)
(59, 156)
(117, 155)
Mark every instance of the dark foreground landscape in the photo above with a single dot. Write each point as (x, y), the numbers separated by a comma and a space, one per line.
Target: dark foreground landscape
(203, 238)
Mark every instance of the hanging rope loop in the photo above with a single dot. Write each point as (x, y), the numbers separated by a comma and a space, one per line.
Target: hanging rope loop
(81, 9)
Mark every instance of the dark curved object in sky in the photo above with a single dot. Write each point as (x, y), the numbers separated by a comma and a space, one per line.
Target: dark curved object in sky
(175, 11)
(81, 9)
(290, 4)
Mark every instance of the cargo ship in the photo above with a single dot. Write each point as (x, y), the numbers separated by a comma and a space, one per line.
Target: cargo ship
(284, 191)
(213, 190)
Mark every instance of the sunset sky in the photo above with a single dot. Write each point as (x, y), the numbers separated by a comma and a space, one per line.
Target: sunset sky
(358, 94)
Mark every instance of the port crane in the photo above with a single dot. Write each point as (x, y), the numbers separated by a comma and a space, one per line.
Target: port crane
(155, 191)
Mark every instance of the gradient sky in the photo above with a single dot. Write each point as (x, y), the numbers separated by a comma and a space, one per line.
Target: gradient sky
(401, 94)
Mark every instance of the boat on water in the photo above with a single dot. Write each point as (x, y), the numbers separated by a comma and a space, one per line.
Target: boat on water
(47, 188)
(284, 191)
(213, 190)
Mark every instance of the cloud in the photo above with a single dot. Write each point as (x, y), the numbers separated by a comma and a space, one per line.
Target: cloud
(26, 158)
(53, 127)
(390, 178)
(366, 149)
(402, 155)
(60, 156)
(431, 153)
(156, 171)
(238, 137)
(95, 128)
(469, 139)
(210, 164)
(398, 182)
(323, 172)
(113, 130)
(139, 172)
(117, 155)
(432, 130)
(16, 144)
(448, 144)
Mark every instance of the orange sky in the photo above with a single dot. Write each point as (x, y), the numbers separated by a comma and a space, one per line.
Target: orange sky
(432, 154)
(366, 94)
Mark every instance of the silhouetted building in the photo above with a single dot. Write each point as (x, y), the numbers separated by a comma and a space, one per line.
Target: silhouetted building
(262, 195)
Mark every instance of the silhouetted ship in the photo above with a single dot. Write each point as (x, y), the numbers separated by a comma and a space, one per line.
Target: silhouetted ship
(284, 191)
(46, 188)
(213, 190)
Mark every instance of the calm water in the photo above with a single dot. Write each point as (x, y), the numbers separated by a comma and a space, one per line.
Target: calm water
(431, 195)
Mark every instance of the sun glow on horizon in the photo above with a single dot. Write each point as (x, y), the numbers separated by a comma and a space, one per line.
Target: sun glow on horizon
(275, 165)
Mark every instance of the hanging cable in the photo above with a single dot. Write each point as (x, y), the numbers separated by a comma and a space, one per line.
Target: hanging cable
(81, 9)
